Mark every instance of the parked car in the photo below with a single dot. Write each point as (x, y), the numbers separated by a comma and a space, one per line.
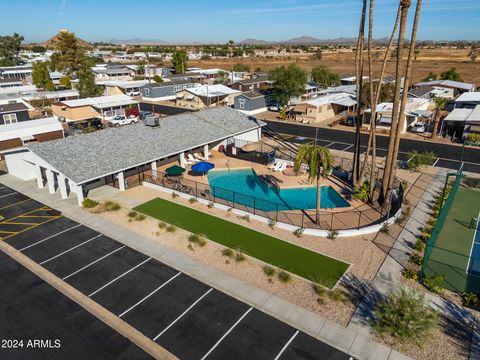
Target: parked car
(419, 128)
(145, 114)
(275, 108)
(133, 93)
(122, 120)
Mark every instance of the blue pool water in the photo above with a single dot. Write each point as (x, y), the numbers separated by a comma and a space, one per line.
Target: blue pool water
(244, 187)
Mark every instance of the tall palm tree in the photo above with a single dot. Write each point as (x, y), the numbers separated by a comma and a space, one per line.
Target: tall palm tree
(320, 163)
(373, 103)
(401, 114)
(439, 106)
(359, 86)
(405, 5)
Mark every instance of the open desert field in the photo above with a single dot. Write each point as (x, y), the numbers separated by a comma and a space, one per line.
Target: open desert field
(428, 60)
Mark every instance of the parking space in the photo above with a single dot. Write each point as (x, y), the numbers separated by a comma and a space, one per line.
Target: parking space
(185, 316)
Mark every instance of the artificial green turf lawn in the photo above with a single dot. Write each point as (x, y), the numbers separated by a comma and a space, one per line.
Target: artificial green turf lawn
(300, 261)
(450, 255)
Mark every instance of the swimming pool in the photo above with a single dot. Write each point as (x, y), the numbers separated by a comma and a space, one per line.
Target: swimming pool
(245, 187)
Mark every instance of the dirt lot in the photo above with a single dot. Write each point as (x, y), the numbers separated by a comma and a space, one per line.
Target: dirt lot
(435, 60)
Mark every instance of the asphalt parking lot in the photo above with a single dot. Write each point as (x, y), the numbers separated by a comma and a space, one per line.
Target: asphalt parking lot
(185, 316)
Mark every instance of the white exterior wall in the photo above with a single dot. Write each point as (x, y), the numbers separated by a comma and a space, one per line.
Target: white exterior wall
(19, 164)
(252, 135)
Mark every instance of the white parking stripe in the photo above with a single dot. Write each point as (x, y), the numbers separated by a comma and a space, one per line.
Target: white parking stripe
(182, 314)
(329, 144)
(93, 262)
(436, 161)
(12, 193)
(348, 147)
(286, 345)
(41, 241)
(226, 334)
(72, 248)
(118, 277)
(153, 292)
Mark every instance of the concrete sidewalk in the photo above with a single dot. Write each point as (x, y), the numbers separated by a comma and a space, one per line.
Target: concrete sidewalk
(351, 341)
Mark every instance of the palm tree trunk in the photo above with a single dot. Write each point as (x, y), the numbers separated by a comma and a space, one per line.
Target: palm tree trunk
(359, 86)
(372, 140)
(317, 210)
(405, 4)
(436, 122)
(406, 85)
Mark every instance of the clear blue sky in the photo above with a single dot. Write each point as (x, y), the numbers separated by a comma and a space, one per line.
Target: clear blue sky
(219, 21)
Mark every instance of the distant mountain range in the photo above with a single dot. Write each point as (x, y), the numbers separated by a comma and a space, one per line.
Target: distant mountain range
(309, 40)
(136, 41)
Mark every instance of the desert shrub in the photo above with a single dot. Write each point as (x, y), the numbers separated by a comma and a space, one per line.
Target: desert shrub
(471, 182)
(193, 200)
(245, 217)
(362, 192)
(298, 232)
(132, 214)
(284, 277)
(470, 299)
(406, 317)
(210, 205)
(140, 217)
(272, 224)
(174, 195)
(227, 252)
(89, 203)
(161, 225)
(320, 290)
(419, 245)
(473, 138)
(384, 229)
(197, 239)
(239, 256)
(337, 295)
(419, 159)
(433, 283)
(229, 211)
(268, 270)
(332, 234)
(410, 274)
(112, 206)
(416, 259)
(171, 228)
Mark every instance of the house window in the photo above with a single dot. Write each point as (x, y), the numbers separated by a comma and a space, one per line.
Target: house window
(241, 103)
(10, 118)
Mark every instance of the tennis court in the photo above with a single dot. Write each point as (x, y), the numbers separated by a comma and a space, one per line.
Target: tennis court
(456, 251)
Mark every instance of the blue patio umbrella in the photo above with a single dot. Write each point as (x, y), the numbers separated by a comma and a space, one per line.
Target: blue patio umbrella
(202, 167)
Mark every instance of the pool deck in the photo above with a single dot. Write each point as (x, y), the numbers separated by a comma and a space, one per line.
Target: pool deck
(223, 162)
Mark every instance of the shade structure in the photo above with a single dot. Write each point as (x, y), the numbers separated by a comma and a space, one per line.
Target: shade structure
(174, 170)
(202, 167)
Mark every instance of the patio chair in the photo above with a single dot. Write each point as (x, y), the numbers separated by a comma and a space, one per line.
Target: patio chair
(198, 156)
(192, 159)
(282, 167)
(279, 165)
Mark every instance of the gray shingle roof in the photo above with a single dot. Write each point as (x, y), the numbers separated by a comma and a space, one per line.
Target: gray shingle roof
(90, 156)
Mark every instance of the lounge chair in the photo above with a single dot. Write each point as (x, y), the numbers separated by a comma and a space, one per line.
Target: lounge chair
(278, 165)
(199, 157)
(282, 167)
(192, 159)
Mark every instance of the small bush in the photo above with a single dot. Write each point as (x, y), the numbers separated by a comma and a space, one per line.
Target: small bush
(320, 290)
(245, 217)
(419, 159)
(298, 232)
(229, 211)
(433, 283)
(174, 195)
(284, 277)
(406, 317)
(140, 217)
(227, 252)
(89, 203)
(471, 182)
(112, 206)
(161, 225)
(419, 246)
(332, 234)
(470, 299)
(384, 229)
(362, 192)
(197, 239)
(171, 228)
(268, 270)
(416, 259)
(239, 256)
(337, 295)
(272, 223)
(132, 214)
(210, 205)
(193, 200)
(410, 274)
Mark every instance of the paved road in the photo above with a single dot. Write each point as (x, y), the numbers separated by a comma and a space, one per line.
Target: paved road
(189, 318)
(447, 155)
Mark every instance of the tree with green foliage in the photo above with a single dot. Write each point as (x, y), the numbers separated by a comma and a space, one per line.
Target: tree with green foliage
(10, 47)
(157, 78)
(6, 62)
(41, 76)
(38, 49)
(406, 317)
(451, 74)
(320, 163)
(179, 61)
(431, 76)
(70, 55)
(65, 81)
(440, 104)
(86, 85)
(474, 53)
(238, 52)
(239, 67)
(289, 82)
(323, 76)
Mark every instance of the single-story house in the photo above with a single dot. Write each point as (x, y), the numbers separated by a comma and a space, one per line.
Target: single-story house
(349, 89)
(17, 135)
(423, 92)
(102, 107)
(468, 100)
(256, 84)
(13, 111)
(166, 90)
(7, 83)
(62, 166)
(108, 71)
(254, 102)
(205, 96)
(416, 110)
(17, 73)
(54, 96)
(351, 80)
(323, 109)
(460, 122)
(123, 87)
(447, 88)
